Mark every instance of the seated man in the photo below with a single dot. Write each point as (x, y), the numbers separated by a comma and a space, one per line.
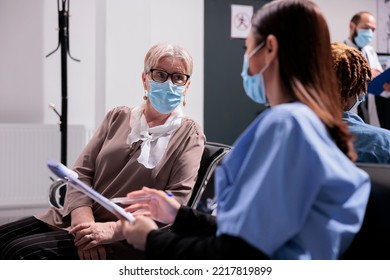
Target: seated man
(372, 144)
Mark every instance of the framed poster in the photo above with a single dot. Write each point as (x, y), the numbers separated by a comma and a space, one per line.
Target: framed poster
(241, 16)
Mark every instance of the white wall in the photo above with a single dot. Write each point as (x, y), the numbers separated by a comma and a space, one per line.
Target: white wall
(21, 50)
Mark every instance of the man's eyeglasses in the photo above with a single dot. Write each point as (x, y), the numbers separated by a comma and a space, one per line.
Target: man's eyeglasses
(161, 76)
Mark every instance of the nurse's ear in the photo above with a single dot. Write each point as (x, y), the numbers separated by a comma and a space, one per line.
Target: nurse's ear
(271, 48)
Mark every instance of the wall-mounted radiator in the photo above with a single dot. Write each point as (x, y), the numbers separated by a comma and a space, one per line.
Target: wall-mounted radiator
(24, 177)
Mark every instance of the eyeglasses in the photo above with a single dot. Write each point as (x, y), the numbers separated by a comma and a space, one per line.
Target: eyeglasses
(161, 76)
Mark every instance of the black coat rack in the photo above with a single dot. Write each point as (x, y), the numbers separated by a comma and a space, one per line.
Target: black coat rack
(63, 42)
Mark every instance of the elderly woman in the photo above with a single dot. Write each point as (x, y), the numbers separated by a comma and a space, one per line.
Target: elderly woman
(372, 143)
(289, 188)
(153, 145)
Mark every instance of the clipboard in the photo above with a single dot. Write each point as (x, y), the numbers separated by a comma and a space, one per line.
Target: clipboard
(69, 175)
(376, 85)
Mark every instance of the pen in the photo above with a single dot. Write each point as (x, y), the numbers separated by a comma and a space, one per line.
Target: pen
(135, 199)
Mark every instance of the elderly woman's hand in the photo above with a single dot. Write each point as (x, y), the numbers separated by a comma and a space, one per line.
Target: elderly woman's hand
(160, 207)
(95, 253)
(90, 235)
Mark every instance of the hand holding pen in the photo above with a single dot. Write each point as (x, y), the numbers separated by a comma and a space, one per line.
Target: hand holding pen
(156, 204)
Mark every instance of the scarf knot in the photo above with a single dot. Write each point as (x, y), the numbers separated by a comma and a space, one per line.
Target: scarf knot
(154, 140)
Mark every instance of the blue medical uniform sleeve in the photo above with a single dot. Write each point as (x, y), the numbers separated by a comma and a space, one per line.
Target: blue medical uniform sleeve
(283, 184)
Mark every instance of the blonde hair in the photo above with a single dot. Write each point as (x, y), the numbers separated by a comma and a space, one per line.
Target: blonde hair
(163, 50)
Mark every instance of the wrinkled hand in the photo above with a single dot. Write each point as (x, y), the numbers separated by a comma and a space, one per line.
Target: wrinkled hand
(160, 207)
(96, 253)
(90, 235)
(137, 232)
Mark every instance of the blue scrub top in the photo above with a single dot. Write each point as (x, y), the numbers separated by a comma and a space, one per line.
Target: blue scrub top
(287, 189)
(372, 143)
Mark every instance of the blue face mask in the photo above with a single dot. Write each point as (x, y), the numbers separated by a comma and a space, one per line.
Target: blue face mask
(364, 37)
(254, 85)
(357, 103)
(165, 97)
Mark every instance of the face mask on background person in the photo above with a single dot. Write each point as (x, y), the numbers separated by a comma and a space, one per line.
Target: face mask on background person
(254, 85)
(166, 96)
(357, 103)
(364, 37)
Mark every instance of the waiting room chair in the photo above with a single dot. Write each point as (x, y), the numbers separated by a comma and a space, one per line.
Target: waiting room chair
(203, 191)
(383, 110)
(57, 193)
(372, 242)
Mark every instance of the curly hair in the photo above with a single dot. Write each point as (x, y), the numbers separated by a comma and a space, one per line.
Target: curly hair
(352, 71)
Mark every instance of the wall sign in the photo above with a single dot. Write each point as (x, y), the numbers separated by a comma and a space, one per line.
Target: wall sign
(241, 16)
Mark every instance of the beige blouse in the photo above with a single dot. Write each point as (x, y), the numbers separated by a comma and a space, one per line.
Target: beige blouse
(110, 166)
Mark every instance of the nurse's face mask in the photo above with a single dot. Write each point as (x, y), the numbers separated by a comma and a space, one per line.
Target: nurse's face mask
(254, 85)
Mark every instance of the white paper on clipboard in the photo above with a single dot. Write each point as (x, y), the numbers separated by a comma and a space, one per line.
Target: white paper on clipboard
(64, 172)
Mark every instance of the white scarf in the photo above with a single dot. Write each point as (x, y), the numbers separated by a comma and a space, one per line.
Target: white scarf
(154, 140)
